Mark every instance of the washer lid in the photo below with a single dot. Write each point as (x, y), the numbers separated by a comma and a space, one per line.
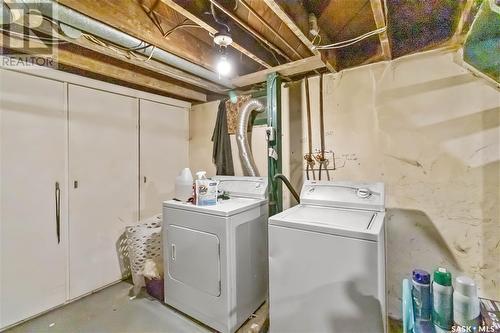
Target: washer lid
(344, 194)
(223, 208)
(336, 221)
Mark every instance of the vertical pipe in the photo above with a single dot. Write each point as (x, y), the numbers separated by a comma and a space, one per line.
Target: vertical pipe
(321, 128)
(274, 120)
(321, 117)
(309, 156)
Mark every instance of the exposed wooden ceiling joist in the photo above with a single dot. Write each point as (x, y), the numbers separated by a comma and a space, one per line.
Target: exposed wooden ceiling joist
(292, 68)
(170, 73)
(169, 21)
(328, 57)
(93, 64)
(153, 65)
(269, 24)
(129, 17)
(189, 10)
(248, 28)
(379, 16)
(274, 34)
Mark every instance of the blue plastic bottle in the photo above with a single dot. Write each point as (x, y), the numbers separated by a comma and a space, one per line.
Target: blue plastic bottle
(422, 306)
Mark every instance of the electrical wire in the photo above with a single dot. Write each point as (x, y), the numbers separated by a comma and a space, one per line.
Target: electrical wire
(127, 52)
(151, 55)
(47, 41)
(212, 8)
(317, 36)
(157, 21)
(187, 25)
(351, 41)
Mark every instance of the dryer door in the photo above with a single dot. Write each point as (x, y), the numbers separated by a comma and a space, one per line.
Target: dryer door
(194, 259)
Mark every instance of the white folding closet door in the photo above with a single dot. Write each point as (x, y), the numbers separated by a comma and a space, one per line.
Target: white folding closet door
(164, 141)
(33, 136)
(103, 178)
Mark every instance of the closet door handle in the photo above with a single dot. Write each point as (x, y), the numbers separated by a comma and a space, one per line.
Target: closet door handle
(58, 212)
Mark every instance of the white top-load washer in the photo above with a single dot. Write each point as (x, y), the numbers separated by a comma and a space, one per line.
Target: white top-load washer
(327, 260)
(216, 256)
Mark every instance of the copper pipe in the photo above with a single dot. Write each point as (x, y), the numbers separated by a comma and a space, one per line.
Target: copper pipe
(251, 10)
(308, 111)
(309, 156)
(250, 29)
(321, 117)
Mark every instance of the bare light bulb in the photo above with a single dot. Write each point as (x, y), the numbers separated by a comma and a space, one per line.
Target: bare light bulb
(223, 66)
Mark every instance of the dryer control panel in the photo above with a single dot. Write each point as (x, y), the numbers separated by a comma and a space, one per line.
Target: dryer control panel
(247, 187)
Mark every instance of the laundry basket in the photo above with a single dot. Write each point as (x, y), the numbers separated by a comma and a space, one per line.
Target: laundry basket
(144, 242)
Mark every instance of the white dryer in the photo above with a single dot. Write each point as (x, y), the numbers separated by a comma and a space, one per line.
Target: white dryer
(327, 261)
(216, 256)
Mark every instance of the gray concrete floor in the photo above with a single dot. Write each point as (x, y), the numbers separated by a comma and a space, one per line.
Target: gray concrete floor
(112, 311)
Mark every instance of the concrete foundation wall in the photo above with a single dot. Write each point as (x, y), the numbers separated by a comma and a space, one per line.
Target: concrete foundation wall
(430, 131)
(424, 126)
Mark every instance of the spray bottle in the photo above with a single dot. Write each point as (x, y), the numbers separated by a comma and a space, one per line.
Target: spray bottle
(206, 190)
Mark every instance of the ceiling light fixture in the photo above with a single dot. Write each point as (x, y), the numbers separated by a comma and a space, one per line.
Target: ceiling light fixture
(223, 39)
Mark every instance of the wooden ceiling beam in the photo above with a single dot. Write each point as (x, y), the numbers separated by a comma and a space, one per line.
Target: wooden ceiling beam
(169, 18)
(152, 65)
(254, 13)
(250, 29)
(276, 8)
(129, 17)
(139, 61)
(261, 18)
(211, 28)
(379, 16)
(292, 68)
(98, 66)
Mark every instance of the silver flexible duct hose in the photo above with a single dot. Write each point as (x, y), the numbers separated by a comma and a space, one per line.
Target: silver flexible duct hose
(246, 157)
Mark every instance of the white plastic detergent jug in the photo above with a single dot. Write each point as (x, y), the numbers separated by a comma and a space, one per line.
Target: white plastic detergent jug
(184, 185)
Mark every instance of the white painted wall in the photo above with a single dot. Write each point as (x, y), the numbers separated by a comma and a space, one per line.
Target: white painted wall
(202, 122)
(431, 131)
